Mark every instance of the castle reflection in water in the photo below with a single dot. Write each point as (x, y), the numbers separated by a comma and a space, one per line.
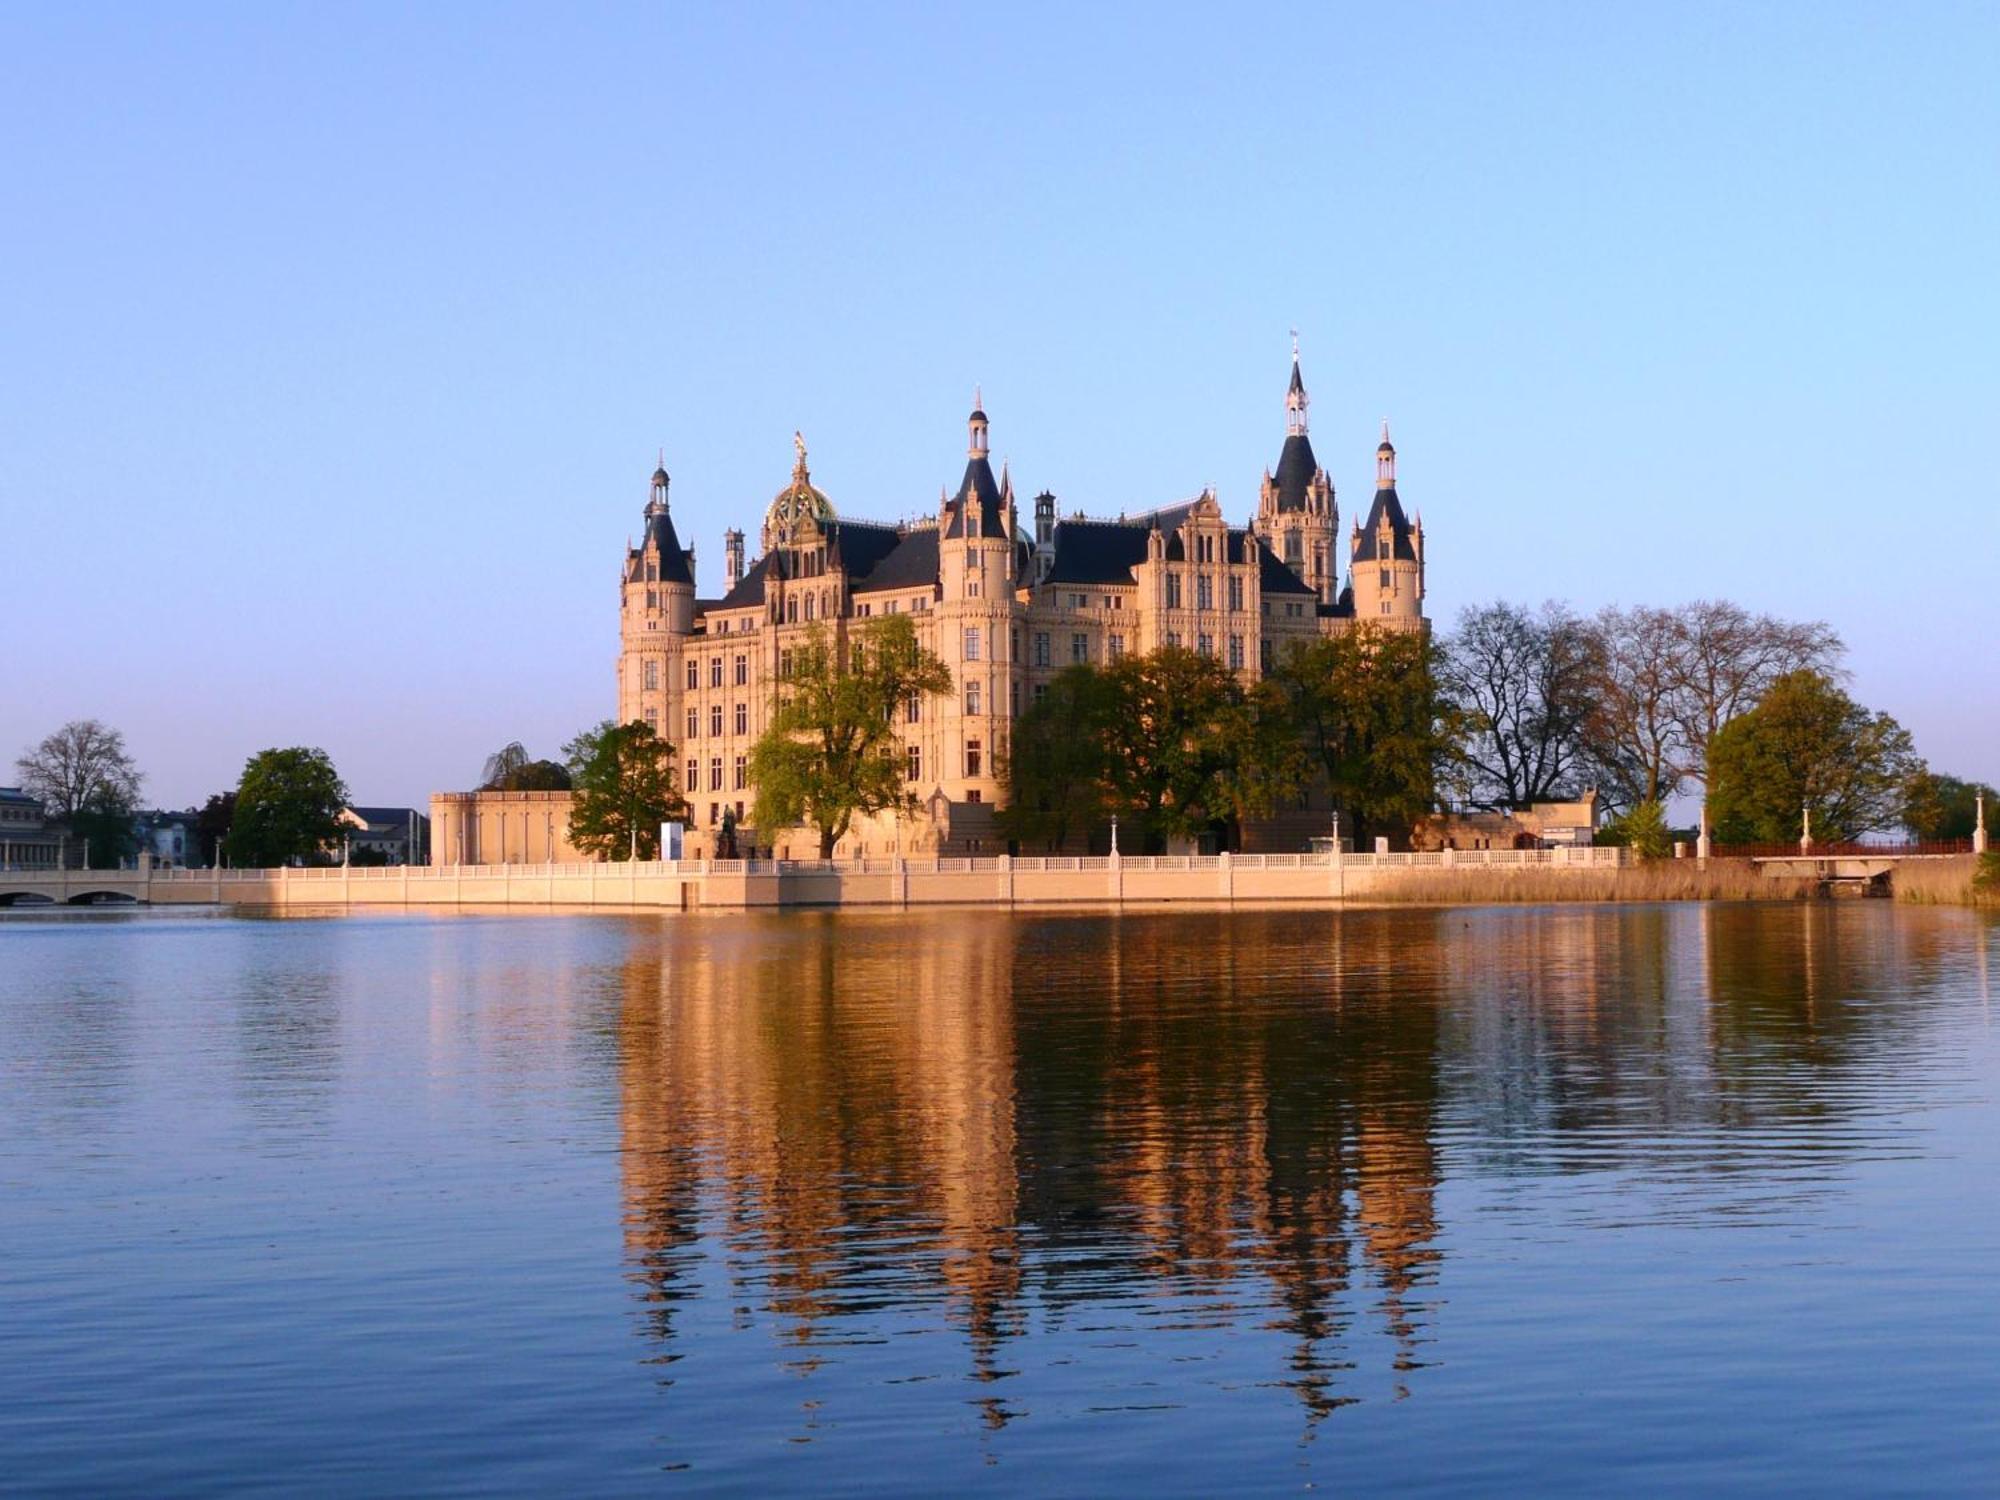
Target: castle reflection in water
(1227, 1119)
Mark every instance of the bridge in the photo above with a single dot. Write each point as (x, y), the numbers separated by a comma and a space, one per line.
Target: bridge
(73, 887)
(1856, 868)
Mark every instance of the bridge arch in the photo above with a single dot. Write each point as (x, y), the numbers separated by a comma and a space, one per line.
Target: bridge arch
(101, 898)
(26, 898)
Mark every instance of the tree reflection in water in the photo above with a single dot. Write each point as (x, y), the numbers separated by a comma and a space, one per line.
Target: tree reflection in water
(1014, 1125)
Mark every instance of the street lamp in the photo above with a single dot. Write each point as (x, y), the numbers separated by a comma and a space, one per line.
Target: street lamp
(1114, 835)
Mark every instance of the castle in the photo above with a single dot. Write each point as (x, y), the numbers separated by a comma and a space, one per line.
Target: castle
(1006, 608)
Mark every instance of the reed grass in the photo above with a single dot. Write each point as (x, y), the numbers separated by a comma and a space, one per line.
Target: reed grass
(1656, 880)
(1947, 882)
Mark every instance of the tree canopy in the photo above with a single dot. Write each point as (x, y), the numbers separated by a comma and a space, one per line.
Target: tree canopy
(1366, 708)
(211, 825)
(622, 780)
(84, 778)
(830, 749)
(1058, 769)
(1171, 742)
(1946, 807)
(1521, 681)
(1808, 745)
(512, 769)
(81, 767)
(288, 808)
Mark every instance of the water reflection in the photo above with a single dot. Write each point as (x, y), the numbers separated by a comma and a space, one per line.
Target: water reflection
(1213, 1120)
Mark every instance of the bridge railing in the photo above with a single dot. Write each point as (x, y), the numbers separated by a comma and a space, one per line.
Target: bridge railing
(1849, 849)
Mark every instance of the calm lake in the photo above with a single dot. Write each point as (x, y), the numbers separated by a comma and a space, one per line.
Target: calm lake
(1653, 1200)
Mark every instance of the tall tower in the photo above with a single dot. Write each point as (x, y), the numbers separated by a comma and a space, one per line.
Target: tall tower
(656, 614)
(732, 558)
(977, 576)
(1388, 553)
(1297, 516)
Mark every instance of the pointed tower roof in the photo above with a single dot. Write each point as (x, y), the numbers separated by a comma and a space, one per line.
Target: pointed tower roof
(978, 489)
(660, 534)
(1368, 539)
(1296, 464)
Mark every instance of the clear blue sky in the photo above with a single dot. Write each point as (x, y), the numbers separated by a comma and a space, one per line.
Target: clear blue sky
(338, 341)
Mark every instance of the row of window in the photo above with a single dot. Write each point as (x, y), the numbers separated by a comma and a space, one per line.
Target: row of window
(1204, 591)
(1079, 648)
(693, 782)
(742, 713)
(913, 770)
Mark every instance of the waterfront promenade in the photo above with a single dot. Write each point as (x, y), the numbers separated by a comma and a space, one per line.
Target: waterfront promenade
(729, 884)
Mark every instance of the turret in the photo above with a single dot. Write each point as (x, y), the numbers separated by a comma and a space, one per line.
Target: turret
(732, 558)
(976, 428)
(656, 609)
(1387, 552)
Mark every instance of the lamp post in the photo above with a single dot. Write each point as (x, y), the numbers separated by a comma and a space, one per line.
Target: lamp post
(1805, 836)
(1114, 835)
(1979, 823)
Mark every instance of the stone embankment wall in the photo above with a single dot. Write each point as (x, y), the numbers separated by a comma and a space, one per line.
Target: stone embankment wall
(997, 880)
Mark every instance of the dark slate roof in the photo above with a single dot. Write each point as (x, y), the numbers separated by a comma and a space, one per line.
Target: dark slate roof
(1273, 577)
(1298, 385)
(399, 816)
(859, 546)
(751, 589)
(1296, 467)
(1386, 503)
(912, 564)
(674, 564)
(1108, 551)
(1098, 551)
(980, 485)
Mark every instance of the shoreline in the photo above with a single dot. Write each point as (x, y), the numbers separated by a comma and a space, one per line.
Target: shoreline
(1001, 882)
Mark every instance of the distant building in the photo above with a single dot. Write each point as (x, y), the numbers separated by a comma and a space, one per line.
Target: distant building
(1007, 609)
(502, 828)
(387, 835)
(1546, 825)
(27, 840)
(170, 837)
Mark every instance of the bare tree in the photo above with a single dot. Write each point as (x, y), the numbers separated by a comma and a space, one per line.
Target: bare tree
(81, 768)
(1521, 679)
(502, 764)
(1727, 659)
(1635, 730)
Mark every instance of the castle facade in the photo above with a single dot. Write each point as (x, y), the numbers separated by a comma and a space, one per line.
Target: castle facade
(1005, 606)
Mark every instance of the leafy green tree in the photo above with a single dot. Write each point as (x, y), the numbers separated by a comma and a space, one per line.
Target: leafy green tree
(288, 808)
(1059, 769)
(1945, 807)
(511, 769)
(623, 789)
(211, 825)
(1724, 660)
(830, 750)
(1366, 708)
(1184, 753)
(1807, 744)
(1643, 830)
